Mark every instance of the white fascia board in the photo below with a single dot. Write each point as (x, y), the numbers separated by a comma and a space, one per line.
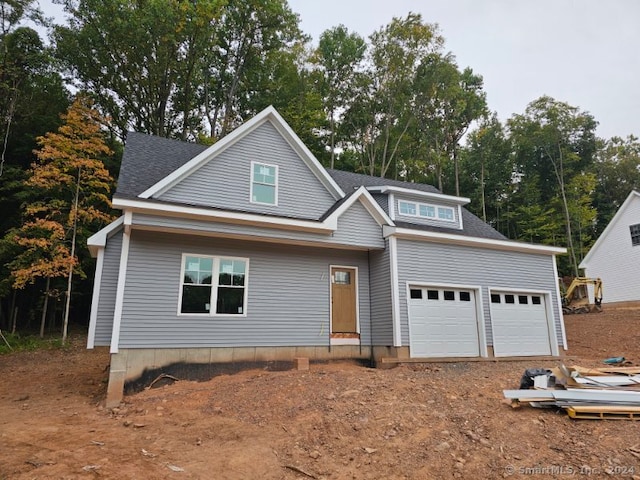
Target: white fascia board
(99, 239)
(184, 211)
(420, 193)
(369, 204)
(268, 113)
(438, 237)
(632, 197)
(301, 149)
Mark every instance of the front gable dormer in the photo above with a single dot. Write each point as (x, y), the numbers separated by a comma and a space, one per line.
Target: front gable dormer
(423, 208)
(261, 167)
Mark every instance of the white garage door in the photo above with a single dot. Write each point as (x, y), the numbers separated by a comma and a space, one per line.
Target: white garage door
(443, 322)
(520, 325)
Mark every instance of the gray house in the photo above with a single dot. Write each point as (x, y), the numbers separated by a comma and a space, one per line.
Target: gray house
(250, 250)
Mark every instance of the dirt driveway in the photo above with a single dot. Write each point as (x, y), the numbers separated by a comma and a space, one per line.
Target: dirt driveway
(337, 421)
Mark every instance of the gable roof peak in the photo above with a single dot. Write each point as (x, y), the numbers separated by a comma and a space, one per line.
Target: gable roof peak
(268, 114)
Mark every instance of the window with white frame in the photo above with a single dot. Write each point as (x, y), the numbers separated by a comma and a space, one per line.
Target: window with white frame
(424, 210)
(445, 213)
(407, 208)
(427, 211)
(213, 285)
(635, 234)
(264, 183)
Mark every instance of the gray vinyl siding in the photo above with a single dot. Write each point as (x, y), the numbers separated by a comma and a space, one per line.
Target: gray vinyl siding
(422, 220)
(288, 294)
(449, 264)
(225, 181)
(355, 228)
(108, 286)
(381, 300)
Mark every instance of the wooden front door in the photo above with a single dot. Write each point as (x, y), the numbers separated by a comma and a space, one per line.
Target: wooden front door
(343, 300)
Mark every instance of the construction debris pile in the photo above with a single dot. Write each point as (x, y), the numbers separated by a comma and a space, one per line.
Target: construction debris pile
(597, 393)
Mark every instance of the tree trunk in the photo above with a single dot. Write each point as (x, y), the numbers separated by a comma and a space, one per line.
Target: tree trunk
(457, 171)
(484, 204)
(43, 319)
(65, 323)
(15, 321)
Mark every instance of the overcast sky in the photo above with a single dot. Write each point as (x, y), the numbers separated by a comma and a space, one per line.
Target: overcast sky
(583, 52)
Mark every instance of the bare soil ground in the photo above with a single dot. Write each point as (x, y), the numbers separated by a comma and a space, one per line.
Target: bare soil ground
(336, 421)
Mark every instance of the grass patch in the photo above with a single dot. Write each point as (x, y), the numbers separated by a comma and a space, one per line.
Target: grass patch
(25, 343)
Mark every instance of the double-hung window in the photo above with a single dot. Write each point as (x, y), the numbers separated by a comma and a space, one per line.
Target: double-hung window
(213, 285)
(635, 234)
(264, 183)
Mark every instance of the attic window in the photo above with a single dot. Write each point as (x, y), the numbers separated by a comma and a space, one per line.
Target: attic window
(264, 183)
(424, 210)
(635, 234)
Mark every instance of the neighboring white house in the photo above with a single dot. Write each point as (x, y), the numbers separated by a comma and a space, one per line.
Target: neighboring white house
(615, 257)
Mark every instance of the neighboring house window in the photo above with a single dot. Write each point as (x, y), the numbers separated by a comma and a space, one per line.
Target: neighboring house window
(264, 183)
(407, 208)
(425, 210)
(213, 285)
(635, 234)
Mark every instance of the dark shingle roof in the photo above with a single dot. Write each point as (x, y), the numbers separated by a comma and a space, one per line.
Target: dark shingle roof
(350, 181)
(148, 159)
(473, 226)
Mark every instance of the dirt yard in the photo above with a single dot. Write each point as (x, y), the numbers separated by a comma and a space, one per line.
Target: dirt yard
(336, 421)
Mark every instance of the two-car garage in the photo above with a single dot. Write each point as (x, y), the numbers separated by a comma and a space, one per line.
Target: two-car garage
(448, 321)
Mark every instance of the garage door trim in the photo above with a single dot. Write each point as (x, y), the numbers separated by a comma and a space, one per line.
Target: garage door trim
(479, 302)
(546, 295)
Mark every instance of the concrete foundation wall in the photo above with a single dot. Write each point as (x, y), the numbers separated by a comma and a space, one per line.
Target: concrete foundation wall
(129, 365)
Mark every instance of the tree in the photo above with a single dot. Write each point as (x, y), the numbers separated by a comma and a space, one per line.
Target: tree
(338, 57)
(447, 102)
(72, 188)
(618, 173)
(381, 113)
(555, 142)
(140, 60)
(251, 38)
(487, 169)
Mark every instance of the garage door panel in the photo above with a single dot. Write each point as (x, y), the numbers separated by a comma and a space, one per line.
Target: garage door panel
(520, 325)
(443, 328)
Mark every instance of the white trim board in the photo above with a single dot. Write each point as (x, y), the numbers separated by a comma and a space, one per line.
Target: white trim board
(437, 237)
(122, 277)
(420, 193)
(95, 299)
(268, 114)
(357, 286)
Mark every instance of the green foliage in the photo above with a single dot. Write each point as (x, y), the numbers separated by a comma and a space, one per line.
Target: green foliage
(27, 343)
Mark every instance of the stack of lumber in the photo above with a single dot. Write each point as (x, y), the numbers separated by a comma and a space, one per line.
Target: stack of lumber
(600, 393)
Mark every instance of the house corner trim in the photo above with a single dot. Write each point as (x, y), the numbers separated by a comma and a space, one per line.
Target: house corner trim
(395, 292)
(122, 276)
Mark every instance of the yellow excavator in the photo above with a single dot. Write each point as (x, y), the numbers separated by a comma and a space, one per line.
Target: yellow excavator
(576, 297)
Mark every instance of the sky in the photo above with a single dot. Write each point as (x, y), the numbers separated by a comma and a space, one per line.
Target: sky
(583, 52)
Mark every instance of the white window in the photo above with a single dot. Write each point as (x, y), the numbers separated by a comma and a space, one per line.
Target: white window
(264, 183)
(407, 208)
(213, 285)
(445, 213)
(427, 211)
